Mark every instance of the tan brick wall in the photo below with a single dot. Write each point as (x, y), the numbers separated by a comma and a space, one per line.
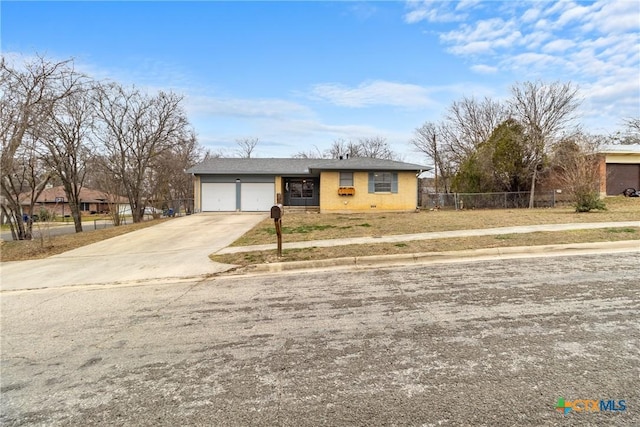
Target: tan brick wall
(405, 199)
(278, 188)
(602, 173)
(197, 194)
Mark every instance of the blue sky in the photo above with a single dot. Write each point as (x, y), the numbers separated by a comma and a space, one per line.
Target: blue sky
(299, 75)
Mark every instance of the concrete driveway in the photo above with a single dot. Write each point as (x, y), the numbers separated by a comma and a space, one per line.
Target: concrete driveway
(174, 249)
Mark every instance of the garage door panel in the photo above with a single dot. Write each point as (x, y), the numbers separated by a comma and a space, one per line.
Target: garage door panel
(256, 197)
(622, 176)
(218, 197)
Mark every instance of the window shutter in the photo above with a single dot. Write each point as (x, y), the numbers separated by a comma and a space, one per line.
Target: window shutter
(394, 182)
(372, 186)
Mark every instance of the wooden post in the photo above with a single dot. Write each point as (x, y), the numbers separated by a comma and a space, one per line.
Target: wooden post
(276, 213)
(278, 223)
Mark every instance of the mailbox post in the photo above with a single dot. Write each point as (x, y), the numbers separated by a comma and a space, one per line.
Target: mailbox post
(276, 213)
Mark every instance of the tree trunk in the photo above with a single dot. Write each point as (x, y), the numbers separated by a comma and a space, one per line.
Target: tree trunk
(75, 213)
(533, 187)
(73, 195)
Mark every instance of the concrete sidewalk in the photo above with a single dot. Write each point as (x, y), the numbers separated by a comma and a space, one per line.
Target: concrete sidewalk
(422, 258)
(429, 236)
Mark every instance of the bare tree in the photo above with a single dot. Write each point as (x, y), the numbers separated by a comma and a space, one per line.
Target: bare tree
(66, 142)
(28, 95)
(137, 128)
(172, 187)
(376, 148)
(468, 123)
(211, 154)
(371, 147)
(100, 176)
(32, 176)
(341, 149)
(428, 140)
(632, 124)
(314, 153)
(631, 134)
(246, 147)
(545, 110)
(575, 162)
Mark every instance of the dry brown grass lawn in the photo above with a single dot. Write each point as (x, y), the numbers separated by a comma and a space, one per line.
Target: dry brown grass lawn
(42, 246)
(304, 227)
(437, 245)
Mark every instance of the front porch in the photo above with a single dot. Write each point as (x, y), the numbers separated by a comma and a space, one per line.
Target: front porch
(301, 193)
(301, 209)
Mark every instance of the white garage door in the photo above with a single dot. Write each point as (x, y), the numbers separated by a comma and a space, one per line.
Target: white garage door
(256, 197)
(218, 197)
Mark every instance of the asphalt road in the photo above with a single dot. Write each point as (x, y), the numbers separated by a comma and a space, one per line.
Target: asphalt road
(471, 343)
(58, 229)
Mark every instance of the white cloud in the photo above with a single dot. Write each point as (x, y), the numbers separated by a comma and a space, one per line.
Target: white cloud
(373, 93)
(558, 46)
(255, 108)
(533, 62)
(594, 45)
(557, 7)
(433, 11)
(543, 25)
(472, 48)
(535, 39)
(530, 15)
(484, 69)
(484, 36)
(467, 4)
(614, 17)
(573, 13)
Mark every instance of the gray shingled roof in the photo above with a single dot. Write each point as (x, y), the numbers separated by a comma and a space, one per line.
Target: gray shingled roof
(271, 166)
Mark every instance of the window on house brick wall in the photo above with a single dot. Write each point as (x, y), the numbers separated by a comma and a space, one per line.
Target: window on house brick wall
(346, 179)
(383, 182)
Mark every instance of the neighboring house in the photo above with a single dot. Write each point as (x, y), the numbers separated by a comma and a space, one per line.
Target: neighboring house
(619, 167)
(327, 185)
(55, 200)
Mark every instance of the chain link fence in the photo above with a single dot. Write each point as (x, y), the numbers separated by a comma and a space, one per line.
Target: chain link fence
(169, 208)
(515, 200)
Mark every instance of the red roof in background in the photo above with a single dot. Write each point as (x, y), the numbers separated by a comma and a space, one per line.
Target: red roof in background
(87, 195)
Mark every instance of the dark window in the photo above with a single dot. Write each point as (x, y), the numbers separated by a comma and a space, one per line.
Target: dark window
(346, 179)
(295, 189)
(307, 189)
(383, 182)
(301, 189)
(84, 206)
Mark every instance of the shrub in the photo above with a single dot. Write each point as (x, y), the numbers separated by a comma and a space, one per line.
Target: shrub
(588, 201)
(46, 215)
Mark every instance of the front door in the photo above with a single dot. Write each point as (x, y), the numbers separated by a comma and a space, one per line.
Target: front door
(301, 192)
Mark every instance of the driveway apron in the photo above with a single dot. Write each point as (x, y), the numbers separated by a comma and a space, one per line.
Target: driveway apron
(178, 248)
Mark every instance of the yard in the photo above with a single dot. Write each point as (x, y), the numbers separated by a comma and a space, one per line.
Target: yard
(306, 227)
(45, 245)
(303, 227)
